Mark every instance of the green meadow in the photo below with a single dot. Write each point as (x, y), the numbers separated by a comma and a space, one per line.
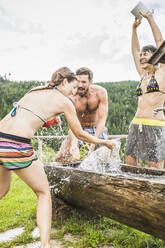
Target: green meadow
(18, 209)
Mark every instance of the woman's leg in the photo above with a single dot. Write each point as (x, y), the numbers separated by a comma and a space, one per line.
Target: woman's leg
(36, 178)
(130, 160)
(5, 179)
(158, 165)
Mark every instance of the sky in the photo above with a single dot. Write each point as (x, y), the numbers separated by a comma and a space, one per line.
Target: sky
(39, 36)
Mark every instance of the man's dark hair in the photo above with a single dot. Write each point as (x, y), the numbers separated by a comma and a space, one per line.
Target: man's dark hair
(85, 71)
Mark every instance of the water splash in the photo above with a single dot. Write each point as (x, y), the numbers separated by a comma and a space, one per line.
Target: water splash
(103, 160)
(114, 163)
(47, 145)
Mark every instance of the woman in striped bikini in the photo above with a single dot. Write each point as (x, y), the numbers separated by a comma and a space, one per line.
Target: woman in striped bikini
(36, 108)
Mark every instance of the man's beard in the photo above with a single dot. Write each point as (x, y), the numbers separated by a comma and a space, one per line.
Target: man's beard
(84, 93)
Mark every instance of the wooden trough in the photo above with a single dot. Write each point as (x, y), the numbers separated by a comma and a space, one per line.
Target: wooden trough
(136, 200)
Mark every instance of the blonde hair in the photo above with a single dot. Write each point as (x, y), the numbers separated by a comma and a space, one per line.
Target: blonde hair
(57, 78)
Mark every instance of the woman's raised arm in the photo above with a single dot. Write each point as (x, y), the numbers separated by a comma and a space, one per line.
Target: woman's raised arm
(154, 27)
(136, 46)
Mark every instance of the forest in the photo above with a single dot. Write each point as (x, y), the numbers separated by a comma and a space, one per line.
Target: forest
(121, 98)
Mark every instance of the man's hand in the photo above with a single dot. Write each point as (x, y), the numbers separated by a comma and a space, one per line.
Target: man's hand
(75, 152)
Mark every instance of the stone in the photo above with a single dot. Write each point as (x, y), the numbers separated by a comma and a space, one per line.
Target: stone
(11, 234)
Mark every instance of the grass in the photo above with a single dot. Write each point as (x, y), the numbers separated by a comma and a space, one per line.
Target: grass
(48, 154)
(18, 208)
(97, 232)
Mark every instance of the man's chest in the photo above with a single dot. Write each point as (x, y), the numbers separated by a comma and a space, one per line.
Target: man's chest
(85, 104)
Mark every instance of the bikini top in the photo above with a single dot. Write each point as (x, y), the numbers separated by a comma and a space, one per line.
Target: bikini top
(152, 86)
(16, 105)
(14, 111)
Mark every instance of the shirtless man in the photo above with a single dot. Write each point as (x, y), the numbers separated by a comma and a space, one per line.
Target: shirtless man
(91, 103)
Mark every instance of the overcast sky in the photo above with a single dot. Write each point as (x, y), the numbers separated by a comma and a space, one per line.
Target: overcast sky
(39, 36)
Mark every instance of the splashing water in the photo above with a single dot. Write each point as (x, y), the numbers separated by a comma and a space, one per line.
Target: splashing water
(46, 151)
(103, 160)
(114, 163)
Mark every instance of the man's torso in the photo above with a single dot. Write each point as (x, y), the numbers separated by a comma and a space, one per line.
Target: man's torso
(87, 107)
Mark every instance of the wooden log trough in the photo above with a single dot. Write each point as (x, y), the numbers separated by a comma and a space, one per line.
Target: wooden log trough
(135, 197)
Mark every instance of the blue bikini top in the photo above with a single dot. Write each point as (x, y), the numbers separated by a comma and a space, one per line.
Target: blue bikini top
(14, 111)
(16, 105)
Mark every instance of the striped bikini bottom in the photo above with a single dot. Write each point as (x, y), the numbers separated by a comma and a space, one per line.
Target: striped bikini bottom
(15, 152)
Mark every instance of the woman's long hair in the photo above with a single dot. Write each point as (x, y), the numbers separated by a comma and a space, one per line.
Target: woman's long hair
(57, 78)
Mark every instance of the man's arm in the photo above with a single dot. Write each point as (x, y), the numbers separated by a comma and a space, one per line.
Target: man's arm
(102, 111)
(74, 148)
